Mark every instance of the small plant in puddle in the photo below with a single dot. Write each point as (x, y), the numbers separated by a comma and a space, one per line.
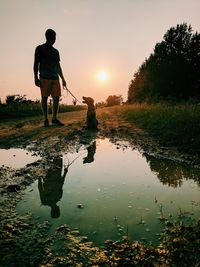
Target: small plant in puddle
(127, 232)
(115, 219)
(162, 217)
(181, 214)
(141, 221)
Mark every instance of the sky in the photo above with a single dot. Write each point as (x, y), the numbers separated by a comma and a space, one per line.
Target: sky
(92, 35)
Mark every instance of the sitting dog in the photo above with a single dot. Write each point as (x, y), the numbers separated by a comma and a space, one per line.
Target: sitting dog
(92, 122)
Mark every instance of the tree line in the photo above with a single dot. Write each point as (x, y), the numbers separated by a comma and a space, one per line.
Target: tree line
(111, 100)
(16, 106)
(172, 71)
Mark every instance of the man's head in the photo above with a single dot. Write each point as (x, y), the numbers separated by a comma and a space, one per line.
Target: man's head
(50, 36)
(55, 211)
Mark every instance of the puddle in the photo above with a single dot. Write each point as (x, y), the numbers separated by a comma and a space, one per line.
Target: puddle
(16, 158)
(108, 190)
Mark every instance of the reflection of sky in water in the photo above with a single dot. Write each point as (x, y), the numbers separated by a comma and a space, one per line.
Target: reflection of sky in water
(117, 189)
(16, 158)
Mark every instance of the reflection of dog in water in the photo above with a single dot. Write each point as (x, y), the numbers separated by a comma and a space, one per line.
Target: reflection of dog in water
(50, 188)
(90, 153)
(92, 122)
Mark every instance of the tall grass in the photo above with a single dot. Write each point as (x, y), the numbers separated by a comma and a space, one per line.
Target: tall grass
(69, 108)
(175, 125)
(21, 110)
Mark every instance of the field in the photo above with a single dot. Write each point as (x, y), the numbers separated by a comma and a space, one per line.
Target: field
(171, 125)
(21, 110)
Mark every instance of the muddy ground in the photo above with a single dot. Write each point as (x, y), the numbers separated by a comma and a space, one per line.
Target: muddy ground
(47, 142)
(19, 235)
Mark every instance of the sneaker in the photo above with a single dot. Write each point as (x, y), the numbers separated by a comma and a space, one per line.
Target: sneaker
(46, 123)
(57, 122)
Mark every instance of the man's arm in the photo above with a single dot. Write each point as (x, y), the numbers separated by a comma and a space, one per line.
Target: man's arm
(61, 74)
(35, 67)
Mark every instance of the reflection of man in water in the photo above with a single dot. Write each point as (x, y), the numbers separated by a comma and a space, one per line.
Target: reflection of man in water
(90, 153)
(50, 188)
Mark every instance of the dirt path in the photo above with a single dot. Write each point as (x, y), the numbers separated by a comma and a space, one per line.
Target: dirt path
(111, 124)
(21, 133)
(48, 142)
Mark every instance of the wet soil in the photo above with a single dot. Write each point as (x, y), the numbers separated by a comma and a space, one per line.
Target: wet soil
(49, 141)
(15, 241)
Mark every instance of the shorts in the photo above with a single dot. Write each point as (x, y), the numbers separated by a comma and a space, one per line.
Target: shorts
(50, 87)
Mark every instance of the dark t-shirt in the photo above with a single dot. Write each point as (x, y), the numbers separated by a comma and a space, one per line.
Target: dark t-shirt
(48, 58)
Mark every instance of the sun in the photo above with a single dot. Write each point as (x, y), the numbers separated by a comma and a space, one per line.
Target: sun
(102, 75)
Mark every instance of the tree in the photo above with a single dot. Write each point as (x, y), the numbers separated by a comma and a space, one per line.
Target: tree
(172, 70)
(100, 104)
(19, 100)
(10, 99)
(114, 100)
(14, 99)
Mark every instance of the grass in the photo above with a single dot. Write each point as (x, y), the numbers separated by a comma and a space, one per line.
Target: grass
(21, 110)
(173, 125)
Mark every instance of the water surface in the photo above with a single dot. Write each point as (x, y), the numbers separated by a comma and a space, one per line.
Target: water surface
(16, 157)
(107, 190)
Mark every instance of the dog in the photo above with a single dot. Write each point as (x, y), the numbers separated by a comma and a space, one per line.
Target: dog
(92, 122)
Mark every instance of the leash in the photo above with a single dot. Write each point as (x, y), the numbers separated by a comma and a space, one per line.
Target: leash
(65, 88)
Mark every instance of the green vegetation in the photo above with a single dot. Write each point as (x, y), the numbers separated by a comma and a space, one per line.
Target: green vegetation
(69, 108)
(172, 125)
(19, 110)
(179, 246)
(17, 106)
(23, 110)
(172, 71)
(113, 100)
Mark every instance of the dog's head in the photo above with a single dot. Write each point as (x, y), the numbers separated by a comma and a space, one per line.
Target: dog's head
(88, 100)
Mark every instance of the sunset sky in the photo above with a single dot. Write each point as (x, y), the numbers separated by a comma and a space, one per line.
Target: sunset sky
(101, 42)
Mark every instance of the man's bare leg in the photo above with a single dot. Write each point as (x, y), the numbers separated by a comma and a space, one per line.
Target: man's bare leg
(55, 121)
(55, 107)
(45, 110)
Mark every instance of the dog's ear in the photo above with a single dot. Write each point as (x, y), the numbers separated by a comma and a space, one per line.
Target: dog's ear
(90, 100)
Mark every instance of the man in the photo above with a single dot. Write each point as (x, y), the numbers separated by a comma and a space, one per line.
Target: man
(47, 63)
(51, 186)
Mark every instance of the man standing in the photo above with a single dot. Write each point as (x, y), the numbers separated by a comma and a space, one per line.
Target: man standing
(47, 64)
